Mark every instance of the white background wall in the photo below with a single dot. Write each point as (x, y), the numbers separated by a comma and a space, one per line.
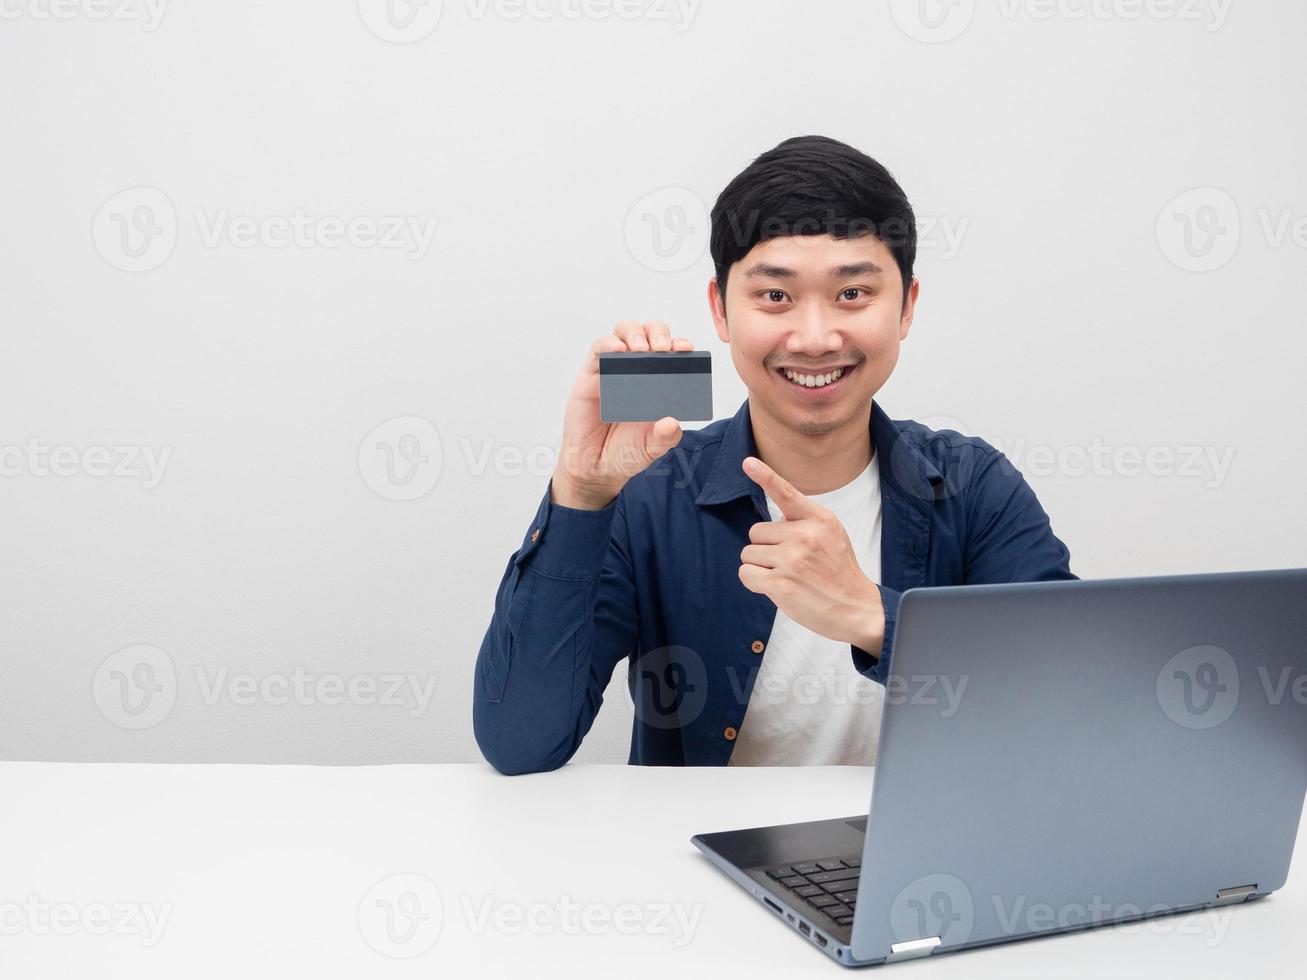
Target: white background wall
(1050, 149)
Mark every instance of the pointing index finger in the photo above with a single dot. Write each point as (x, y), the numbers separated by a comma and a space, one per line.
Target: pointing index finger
(793, 505)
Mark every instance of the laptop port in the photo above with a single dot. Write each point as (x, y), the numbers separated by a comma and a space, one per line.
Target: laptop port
(772, 905)
(805, 929)
(821, 940)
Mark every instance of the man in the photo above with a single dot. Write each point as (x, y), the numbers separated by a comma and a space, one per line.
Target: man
(751, 570)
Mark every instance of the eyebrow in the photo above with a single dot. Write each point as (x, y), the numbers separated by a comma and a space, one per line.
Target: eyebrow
(762, 270)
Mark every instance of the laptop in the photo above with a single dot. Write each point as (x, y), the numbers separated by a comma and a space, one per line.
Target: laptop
(1110, 751)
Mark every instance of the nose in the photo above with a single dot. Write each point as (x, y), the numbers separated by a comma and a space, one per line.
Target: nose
(812, 334)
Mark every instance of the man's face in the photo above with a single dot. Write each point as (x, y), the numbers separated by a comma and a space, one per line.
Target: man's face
(814, 304)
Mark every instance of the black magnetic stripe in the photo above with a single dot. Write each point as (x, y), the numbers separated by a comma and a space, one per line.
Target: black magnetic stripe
(655, 364)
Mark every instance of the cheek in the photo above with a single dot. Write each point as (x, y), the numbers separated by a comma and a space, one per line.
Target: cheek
(749, 346)
(879, 332)
(881, 340)
(882, 357)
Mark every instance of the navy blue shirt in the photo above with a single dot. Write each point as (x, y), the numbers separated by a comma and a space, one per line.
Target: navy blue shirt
(653, 579)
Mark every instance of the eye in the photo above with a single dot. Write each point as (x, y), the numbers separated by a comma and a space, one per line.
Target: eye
(856, 290)
(775, 295)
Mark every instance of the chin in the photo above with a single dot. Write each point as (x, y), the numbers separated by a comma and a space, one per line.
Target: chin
(819, 423)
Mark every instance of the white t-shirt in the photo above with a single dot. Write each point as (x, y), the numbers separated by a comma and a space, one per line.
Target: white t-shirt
(809, 706)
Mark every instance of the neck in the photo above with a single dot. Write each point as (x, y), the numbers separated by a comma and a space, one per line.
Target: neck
(814, 462)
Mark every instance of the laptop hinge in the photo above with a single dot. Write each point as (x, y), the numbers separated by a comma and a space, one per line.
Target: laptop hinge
(912, 949)
(1229, 896)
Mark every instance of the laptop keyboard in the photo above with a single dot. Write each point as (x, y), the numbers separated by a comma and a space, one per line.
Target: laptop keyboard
(830, 885)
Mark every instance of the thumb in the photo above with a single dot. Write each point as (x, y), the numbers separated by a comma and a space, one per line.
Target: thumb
(663, 435)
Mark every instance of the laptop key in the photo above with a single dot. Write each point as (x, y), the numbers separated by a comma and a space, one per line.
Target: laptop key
(837, 911)
(808, 891)
(823, 900)
(848, 898)
(844, 920)
(806, 869)
(821, 877)
(784, 872)
(853, 862)
(830, 864)
(796, 881)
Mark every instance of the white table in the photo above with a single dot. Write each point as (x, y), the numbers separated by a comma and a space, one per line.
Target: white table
(244, 871)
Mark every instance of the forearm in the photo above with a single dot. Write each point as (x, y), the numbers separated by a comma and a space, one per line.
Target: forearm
(530, 706)
(532, 697)
(872, 660)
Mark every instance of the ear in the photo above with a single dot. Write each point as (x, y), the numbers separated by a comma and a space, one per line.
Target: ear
(717, 307)
(909, 309)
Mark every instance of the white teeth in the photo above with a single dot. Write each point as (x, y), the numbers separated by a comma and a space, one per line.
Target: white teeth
(814, 380)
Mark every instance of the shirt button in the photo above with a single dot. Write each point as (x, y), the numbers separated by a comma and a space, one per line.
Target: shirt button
(535, 535)
(756, 646)
(729, 733)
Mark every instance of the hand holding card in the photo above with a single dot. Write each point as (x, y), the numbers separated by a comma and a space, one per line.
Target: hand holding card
(600, 453)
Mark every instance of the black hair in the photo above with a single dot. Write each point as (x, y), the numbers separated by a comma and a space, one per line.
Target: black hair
(812, 185)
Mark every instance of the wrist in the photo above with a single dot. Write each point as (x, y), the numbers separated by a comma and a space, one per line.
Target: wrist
(565, 493)
(869, 633)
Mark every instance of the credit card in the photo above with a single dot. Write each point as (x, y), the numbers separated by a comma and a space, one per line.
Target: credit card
(644, 386)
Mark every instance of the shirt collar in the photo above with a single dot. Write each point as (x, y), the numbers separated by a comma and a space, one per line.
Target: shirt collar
(910, 471)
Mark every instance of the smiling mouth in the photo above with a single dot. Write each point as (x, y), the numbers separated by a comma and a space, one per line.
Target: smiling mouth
(807, 379)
